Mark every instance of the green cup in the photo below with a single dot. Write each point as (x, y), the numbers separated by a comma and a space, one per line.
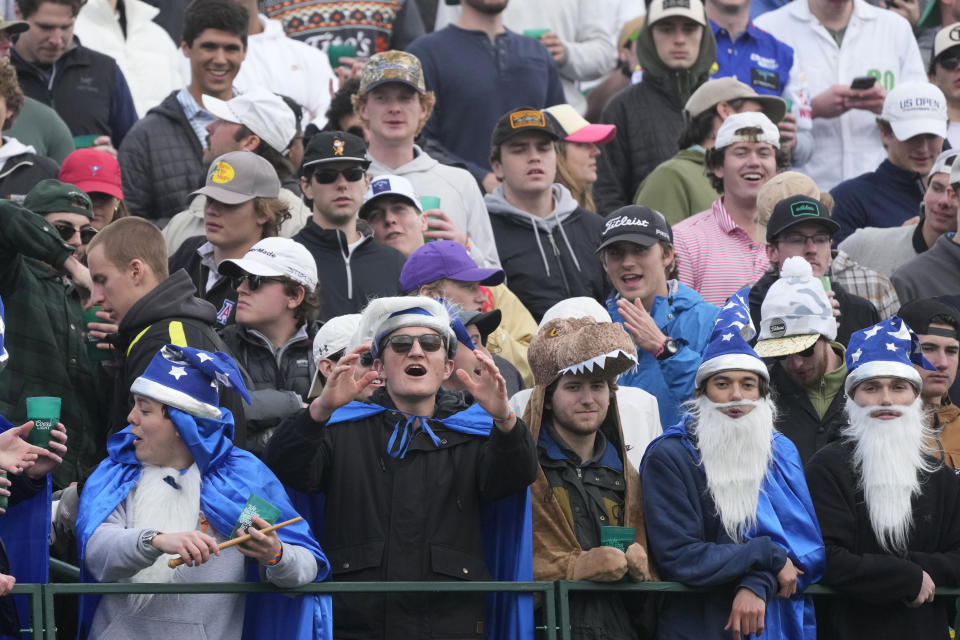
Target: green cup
(429, 202)
(3, 499)
(826, 283)
(535, 33)
(85, 141)
(45, 413)
(95, 355)
(337, 51)
(617, 537)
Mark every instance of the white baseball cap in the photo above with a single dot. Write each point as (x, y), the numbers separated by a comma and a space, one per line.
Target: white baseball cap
(914, 108)
(692, 9)
(275, 257)
(727, 134)
(263, 112)
(388, 185)
(335, 335)
(944, 162)
(947, 38)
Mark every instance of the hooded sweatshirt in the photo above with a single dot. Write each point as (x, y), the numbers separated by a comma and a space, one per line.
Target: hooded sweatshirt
(460, 199)
(21, 168)
(548, 259)
(649, 119)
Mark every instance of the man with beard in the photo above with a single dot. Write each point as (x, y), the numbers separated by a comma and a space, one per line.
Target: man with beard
(725, 503)
(889, 512)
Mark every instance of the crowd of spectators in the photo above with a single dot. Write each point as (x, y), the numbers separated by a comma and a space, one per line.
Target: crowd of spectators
(491, 289)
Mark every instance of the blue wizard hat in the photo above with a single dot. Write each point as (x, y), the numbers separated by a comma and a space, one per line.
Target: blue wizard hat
(728, 347)
(887, 349)
(186, 378)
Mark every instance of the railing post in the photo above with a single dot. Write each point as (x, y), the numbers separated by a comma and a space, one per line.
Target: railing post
(550, 611)
(48, 616)
(563, 601)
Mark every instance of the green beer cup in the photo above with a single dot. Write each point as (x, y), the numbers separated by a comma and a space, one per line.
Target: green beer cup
(45, 413)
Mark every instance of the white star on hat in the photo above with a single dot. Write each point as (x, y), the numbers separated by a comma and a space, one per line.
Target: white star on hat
(855, 356)
(224, 379)
(178, 372)
(872, 331)
(902, 333)
(726, 337)
(203, 357)
(891, 346)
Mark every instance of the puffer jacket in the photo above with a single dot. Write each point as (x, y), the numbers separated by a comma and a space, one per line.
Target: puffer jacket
(281, 377)
(162, 162)
(649, 119)
(548, 259)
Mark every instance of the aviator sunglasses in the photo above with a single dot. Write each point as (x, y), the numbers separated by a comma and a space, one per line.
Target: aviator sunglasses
(402, 343)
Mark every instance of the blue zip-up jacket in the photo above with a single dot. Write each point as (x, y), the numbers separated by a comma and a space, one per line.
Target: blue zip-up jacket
(684, 316)
(883, 198)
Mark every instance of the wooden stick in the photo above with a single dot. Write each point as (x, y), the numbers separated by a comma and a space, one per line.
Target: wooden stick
(173, 563)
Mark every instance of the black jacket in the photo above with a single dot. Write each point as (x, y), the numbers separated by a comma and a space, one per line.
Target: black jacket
(855, 312)
(169, 314)
(162, 162)
(411, 518)
(348, 281)
(280, 383)
(876, 583)
(22, 172)
(798, 420)
(87, 90)
(223, 295)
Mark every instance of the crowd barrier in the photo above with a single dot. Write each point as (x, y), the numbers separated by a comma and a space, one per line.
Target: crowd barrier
(555, 595)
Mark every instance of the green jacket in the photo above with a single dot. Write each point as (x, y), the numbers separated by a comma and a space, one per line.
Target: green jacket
(679, 187)
(48, 354)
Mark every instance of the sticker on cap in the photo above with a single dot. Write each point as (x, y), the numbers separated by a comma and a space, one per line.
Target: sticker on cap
(379, 186)
(800, 209)
(223, 173)
(527, 118)
(338, 146)
(676, 4)
(778, 327)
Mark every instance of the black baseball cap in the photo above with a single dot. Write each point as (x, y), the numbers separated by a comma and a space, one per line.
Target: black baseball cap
(795, 210)
(637, 224)
(486, 323)
(522, 120)
(327, 147)
(917, 315)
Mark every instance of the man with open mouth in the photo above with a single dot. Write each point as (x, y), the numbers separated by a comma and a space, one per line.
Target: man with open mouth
(409, 476)
(888, 509)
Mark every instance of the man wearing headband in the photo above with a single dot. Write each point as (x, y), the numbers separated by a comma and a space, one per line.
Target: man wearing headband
(888, 510)
(409, 475)
(174, 484)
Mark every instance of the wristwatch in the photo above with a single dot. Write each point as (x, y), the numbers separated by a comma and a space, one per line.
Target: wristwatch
(667, 349)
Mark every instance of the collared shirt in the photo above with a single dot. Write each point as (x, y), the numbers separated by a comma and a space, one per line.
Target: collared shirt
(755, 58)
(715, 257)
(196, 115)
(866, 283)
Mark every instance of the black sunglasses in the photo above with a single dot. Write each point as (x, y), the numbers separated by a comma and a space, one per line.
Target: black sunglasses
(255, 282)
(66, 231)
(806, 353)
(329, 176)
(402, 343)
(949, 63)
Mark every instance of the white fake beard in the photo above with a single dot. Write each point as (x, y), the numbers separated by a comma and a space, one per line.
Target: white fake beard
(889, 456)
(154, 504)
(736, 454)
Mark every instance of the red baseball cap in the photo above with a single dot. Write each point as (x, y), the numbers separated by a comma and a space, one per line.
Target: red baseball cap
(94, 171)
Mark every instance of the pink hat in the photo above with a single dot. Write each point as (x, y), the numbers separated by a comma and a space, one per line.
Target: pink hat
(93, 171)
(576, 129)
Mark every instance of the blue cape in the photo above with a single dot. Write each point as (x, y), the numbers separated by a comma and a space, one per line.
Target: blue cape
(230, 475)
(507, 526)
(785, 514)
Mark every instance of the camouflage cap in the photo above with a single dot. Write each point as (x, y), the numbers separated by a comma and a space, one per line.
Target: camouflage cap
(392, 66)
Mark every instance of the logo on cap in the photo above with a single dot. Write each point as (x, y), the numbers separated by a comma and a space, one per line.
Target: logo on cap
(379, 186)
(954, 34)
(94, 168)
(527, 118)
(777, 327)
(799, 209)
(223, 173)
(338, 146)
(624, 221)
(78, 199)
(676, 4)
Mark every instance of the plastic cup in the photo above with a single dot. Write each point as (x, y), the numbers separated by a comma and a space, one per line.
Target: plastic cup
(337, 51)
(617, 537)
(85, 141)
(96, 355)
(825, 280)
(535, 33)
(45, 413)
(429, 202)
(3, 499)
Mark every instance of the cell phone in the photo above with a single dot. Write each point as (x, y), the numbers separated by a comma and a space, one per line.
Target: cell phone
(863, 82)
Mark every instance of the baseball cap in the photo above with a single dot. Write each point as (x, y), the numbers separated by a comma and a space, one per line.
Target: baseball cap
(660, 9)
(392, 66)
(947, 38)
(944, 163)
(14, 26)
(637, 224)
(334, 336)
(388, 185)
(795, 312)
(629, 31)
(796, 210)
(783, 185)
(444, 259)
(727, 134)
(275, 257)
(913, 108)
(93, 171)
(713, 92)
(575, 127)
(53, 196)
(263, 112)
(521, 120)
(238, 177)
(327, 147)
(917, 315)
(487, 322)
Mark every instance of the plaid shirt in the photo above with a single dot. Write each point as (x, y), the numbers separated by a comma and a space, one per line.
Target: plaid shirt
(865, 283)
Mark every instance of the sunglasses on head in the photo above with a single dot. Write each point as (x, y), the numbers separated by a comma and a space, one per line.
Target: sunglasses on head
(329, 176)
(402, 343)
(949, 63)
(66, 231)
(255, 282)
(806, 353)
